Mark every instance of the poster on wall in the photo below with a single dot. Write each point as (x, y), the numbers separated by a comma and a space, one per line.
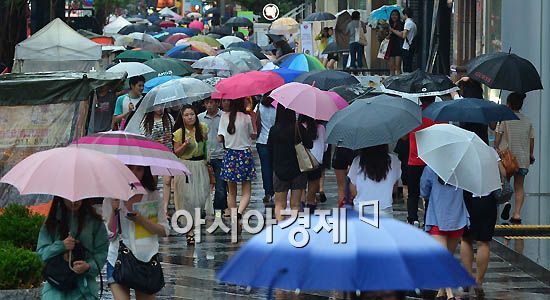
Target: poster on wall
(306, 41)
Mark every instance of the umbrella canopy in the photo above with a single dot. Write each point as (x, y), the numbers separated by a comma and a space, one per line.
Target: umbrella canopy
(373, 121)
(505, 71)
(176, 92)
(352, 92)
(166, 24)
(228, 40)
(212, 81)
(169, 13)
(418, 84)
(200, 46)
(239, 22)
(394, 256)
(247, 84)
(215, 63)
(284, 25)
(327, 79)
(169, 66)
(246, 45)
(259, 55)
(73, 174)
(334, 48)
(132, 68)
(197, 25)
(383, 13)
(134, 149)
(274, 38)
(115, 26)
(205, 39)
(185, 21)
(300, 62)
(194, 15)
(188, 31)
(460, 158)
(320, 16)
(173, 39)
(154, 18)
(135, 56)
(288, 75)
(138, 28)
(141, 40)
(156, 81)
(339, 101)
(305, 99)
(469, 110)
(176, 49)
(188, 55)
(244, 60)
(222, 30)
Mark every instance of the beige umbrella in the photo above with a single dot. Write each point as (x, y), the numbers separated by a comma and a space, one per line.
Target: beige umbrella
(284, 25)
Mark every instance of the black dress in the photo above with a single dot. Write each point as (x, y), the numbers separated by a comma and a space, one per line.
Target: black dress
(396, 43)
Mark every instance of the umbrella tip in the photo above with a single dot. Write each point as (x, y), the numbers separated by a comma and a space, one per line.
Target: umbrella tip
(313, 83)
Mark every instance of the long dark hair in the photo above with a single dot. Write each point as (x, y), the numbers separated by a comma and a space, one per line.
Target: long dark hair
(148, 181)
(149, 122)
(266, 100)
(234, 107)
(396, 24)
(375, 162)
(59, 225)
(311, 126)
(180, 124)
(471, 89)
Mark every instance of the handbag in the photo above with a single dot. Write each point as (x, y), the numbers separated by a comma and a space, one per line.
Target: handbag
(362, 36)
(384, 48)
(306, 161)
(146, 277)
(58, 273)
(509, 161)
(504, 194)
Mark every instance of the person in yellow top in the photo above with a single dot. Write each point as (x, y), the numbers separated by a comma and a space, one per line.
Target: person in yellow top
(323, 37)
(190, 145)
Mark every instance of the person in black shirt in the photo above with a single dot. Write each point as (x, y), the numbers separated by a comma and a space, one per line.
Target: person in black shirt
(287, 175)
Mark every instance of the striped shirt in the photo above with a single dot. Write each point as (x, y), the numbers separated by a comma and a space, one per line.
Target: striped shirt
(159, 134)
(517, 135)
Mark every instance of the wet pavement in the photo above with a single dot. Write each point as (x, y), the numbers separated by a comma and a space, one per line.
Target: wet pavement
(190, 271)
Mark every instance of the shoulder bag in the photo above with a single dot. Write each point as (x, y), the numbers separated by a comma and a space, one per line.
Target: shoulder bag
(306, 160)
(509, 161)
(57, 270)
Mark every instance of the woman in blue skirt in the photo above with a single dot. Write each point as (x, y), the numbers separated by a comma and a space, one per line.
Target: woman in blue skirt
(236, 132)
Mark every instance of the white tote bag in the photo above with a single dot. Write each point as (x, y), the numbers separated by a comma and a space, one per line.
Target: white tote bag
(383, 48)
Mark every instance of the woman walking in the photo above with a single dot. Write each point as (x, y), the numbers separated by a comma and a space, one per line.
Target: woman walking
(373, 173)
(142, 221)
(396, 42)
(266, 119)
(157, 126)
(190, 145)
(282, 139)
(236, 132)
(75, 227)
(447, 215)
(316, 133)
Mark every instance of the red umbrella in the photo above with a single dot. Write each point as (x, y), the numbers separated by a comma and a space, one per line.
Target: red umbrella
(166, 24)
(175, 38)
(197, 25)
(247, 84)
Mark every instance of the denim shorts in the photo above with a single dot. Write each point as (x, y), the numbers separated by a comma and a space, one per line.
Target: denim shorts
(522, 171)
(110, 270)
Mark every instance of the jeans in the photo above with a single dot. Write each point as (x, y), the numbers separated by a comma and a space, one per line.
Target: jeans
(356, 51)
(407, 61)
(413, 182)
(267, 168)
(220, 194)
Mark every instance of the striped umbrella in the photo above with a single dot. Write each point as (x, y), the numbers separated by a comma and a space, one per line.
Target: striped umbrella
(135, 149)
(300, 62)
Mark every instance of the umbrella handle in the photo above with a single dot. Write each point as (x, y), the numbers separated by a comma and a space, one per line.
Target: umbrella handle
(270, 288)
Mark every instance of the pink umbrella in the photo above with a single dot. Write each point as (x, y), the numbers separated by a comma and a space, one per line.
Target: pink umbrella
(166, 24)
(197, 25)
(74, 174)
(135, 149)
(175, 38)
(338, 100)
(247, 84)
(305, 99)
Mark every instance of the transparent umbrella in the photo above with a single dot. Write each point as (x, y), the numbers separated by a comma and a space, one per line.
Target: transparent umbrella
(244, 60)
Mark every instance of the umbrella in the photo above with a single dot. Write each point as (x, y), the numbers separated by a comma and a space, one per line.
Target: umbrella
(200, 46)
(185, 21)
(166, 24)
(173, 39)
(154, 19)
(167, 12)
(305, 99)
(288, 75)
(194, 15)
(320, 16)
(469, 110)
(138, 28)
(141, 40)
(215, 63)
(73, 174)
(392, 256)
(383, 13)
(284, 25)
(228, 40)
(334, 48)
(339, 101)
(327, 79)
(205, 39)
(197, 25)
(274, 38)
(213, 10)
(460, 158)
(135, 56)
(132, 68)
(373, 121)
(247, 84)
(188, 31)
(258, 54)
(418, 84)
(300, 62)
(212, 81)
(178, 48)
(505, 71)
(244, 60)
(156, 81)
(189, 55)
(246, 45)
(239, 22)
(176, 92)
(135, 149)
(352, 92)
(214, 35)
(169, 66)
(222, 30)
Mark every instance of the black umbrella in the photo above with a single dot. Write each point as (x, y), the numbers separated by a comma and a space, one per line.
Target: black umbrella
(275, 37)
(139, 28)
(239, 22)
(189, 55)
(247, 45)
(334, 48)
(327, 79)
(258, 54)
(374, 121)
(418, 84)
(469, 110)
(320, 16)
(505, 71)
(213, 10)
(222, 30)
(185, 20)
(352, 92)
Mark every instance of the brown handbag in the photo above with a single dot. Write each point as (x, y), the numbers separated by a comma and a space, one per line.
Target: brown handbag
(509, 161)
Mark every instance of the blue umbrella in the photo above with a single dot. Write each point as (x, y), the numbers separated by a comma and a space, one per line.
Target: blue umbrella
(177, 49)
(188, 31)
(383, 13)
(288, 74)
(150, 84)
(154, 18)
(395, 256)
(246, 45)
(469, 110)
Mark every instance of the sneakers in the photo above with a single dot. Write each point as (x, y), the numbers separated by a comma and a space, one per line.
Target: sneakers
(321, 197)
(267, 199)
(505, 215)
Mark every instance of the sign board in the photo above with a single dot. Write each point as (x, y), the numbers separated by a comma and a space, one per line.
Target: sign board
(306, 38)
(270, 12)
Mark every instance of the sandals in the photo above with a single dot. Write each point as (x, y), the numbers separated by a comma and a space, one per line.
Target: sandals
(515, 221)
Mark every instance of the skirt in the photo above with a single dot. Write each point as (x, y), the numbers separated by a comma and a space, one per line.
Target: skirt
(192, 191)
(238, 166)
(483, 217)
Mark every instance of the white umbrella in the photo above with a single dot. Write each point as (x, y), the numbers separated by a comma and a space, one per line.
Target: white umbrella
(228, 40)
(215, 63)
(132, 68)
(460, 158)
(141, 40)
(244, 60)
